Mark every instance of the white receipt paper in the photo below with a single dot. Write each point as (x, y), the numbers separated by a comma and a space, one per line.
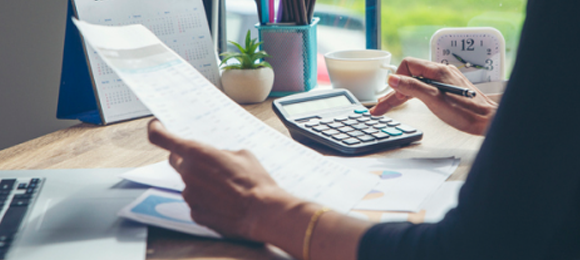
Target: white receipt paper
(192, 108)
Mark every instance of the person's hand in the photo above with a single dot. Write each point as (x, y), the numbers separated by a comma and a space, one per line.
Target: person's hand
(227, 191)
(471, 115)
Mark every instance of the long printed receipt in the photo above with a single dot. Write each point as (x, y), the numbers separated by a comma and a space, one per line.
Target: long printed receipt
(192, 108)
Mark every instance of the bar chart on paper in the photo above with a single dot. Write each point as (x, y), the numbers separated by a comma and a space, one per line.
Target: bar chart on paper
(180, 24)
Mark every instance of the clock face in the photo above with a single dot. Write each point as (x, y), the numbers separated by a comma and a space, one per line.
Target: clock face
(479, 54)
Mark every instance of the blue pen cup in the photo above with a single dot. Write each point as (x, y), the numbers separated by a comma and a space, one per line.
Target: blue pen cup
(294, 56)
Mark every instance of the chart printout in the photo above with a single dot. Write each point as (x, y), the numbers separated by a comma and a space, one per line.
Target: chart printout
(191, 107)
(179, 24)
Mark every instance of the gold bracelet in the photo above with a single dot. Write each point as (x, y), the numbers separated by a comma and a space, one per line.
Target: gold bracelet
(309, 229)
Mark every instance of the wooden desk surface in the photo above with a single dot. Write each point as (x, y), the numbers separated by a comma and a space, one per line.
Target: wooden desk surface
(126, 145)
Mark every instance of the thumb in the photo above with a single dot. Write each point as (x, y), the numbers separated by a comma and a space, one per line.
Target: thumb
(412, 87)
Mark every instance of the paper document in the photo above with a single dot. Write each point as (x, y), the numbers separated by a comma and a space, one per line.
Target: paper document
(167, 210)
(404, 184)
(192, 108)
(432, 210)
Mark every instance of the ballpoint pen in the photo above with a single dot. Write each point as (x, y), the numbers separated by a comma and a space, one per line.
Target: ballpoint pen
(448, 88)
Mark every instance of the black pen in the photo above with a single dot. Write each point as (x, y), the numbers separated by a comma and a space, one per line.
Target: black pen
(448, 88)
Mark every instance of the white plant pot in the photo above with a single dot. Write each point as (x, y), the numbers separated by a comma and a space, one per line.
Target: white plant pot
(248, 86)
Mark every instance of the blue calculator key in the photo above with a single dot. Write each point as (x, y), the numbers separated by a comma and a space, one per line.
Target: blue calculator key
(311, 124)
(336, 125)
(326, 121)
(380, 126)
(351, 141)
(364, 119)
(380, 135)
(350, 122)
(385, 120)
(361, 110)
(366, 113)
(340, 136)
(392, 131)
(355, 116)
(393, 123)
(370, 131)
(320, 128)
(406, 129)
(330, 132)
(365, 138)
(355, 133)
(341, 118)
(360, 126)
(372, 122)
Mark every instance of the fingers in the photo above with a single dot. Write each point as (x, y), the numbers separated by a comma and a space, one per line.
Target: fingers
(411, 87)
(388, 102)
(158, 135)
(426, 69)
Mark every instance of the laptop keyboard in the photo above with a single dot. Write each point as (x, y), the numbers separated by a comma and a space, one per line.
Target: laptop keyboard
(16, 196)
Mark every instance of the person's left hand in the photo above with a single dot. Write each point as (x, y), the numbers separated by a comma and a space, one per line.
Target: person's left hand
(227, 191)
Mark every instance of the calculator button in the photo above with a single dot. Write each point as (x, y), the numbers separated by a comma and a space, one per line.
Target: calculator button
(392, 131)
(351, 141)
(366, 113)
(380, 135)
(342, 118)
(380, 126)
(377, 117)
(385, 120)
(311, 124)
(393, 123)
(355, 116)
(326, 121)
(350, 122)
(364, 119)
(330, 132)
(340, 136)
(361, 110)
(345, 129)
(355, 133)
(372, 122)
(365, 138)
(370, 131)
(320, 128)
(406, 129)
(336, 125)
(360, 126)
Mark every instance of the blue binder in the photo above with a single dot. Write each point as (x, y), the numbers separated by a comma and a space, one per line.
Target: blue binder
(76, 98)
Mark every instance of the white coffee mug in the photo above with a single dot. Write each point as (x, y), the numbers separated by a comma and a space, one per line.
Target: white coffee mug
(362, 72)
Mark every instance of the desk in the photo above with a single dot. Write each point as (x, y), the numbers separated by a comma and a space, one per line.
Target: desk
(126, 145)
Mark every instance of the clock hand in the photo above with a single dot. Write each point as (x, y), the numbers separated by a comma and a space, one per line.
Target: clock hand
(459, 58)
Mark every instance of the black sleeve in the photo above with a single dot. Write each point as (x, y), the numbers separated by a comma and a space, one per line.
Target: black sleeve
(521, 199)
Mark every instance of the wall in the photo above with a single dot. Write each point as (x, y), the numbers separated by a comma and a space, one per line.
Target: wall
(31, 46)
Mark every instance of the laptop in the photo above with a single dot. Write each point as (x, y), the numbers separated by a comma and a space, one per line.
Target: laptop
(68, 214)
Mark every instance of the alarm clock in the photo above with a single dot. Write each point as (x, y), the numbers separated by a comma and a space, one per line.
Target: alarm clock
(478, 52)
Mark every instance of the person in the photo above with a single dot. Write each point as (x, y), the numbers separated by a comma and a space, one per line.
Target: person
(521, 199)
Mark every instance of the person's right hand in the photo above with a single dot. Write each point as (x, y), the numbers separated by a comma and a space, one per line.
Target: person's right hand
(471, 115)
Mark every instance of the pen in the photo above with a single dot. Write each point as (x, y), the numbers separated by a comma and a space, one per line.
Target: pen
(448, 88)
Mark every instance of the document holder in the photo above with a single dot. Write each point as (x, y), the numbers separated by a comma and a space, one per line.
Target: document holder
(294, 56)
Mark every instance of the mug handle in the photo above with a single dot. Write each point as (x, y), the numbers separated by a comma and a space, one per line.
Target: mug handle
(392, 69)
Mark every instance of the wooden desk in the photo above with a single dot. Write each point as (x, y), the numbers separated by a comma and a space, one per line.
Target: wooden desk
(126, 145)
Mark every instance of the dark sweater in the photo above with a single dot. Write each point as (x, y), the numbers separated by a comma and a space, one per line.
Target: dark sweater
(521, 199)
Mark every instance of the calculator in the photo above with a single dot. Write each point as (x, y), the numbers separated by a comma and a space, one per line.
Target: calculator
(336, 119)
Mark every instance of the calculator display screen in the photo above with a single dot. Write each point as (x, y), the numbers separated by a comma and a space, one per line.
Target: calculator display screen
(316, 105)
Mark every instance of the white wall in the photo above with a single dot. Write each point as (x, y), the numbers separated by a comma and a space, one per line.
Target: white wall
(31, 46)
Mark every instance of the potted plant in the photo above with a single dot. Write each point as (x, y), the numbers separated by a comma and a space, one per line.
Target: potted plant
(250, 80)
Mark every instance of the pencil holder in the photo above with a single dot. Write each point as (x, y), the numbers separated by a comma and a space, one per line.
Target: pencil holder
(293, 51)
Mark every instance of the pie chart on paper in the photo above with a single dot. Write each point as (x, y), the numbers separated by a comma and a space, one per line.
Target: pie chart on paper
(385, 175)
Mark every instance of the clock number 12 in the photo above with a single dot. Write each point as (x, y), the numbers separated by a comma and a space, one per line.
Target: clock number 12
(469, 43)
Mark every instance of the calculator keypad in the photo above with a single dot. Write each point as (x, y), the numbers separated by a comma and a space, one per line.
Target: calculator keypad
(358, 128)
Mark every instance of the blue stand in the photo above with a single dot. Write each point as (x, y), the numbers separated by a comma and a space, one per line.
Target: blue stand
(373, 24)
(76, 98)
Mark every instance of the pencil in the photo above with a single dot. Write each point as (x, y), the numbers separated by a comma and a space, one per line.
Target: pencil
(448, 88)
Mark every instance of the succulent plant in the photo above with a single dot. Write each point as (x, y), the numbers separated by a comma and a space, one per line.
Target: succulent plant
(247, 57)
